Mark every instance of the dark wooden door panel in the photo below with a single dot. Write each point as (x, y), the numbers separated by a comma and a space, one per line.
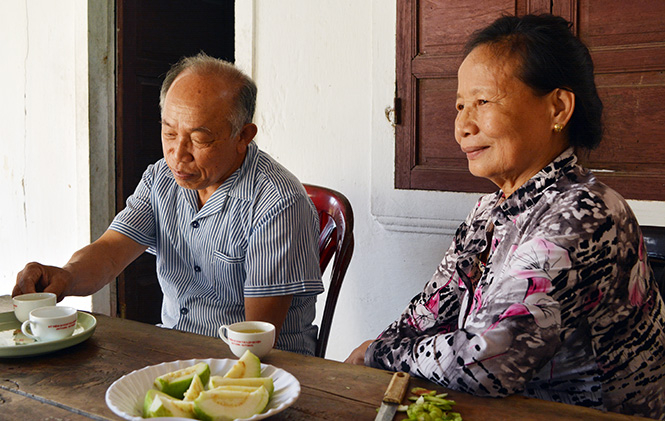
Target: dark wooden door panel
(627, 42)
(152, 35)
(431, 36)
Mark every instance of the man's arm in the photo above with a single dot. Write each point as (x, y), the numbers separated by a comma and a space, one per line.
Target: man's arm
(268, 309)
(88, 270)
(282, 260)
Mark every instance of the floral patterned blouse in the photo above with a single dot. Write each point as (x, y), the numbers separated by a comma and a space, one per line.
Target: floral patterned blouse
(564, 308)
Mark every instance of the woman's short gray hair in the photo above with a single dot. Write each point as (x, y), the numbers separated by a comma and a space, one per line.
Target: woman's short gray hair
(242, 112)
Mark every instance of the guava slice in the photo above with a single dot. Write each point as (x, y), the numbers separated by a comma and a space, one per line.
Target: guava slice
(249, 365)
(194, 390)
(216, 381)
(158, 404)
(248, 389)
(177, 382)
(226, 405)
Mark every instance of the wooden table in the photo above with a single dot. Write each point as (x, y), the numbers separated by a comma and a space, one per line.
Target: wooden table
(70, 384)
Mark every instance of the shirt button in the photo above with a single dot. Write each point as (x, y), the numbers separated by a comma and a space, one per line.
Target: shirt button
(184, 311)
(195, 224)
(197, 269)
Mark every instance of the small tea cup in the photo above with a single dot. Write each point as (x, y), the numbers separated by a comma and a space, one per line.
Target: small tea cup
(24, 304)
(257, 337)
(50, 323)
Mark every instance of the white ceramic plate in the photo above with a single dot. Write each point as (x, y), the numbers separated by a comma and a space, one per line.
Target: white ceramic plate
(14, 344)
(125, 396)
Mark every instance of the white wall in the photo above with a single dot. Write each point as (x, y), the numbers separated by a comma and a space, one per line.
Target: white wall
(42, 216)
(45, 210)
(325, 71)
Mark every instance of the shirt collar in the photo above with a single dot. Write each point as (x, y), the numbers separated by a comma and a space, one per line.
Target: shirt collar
(471, 240)
(240, 184)
(242, 187)
(528, 194)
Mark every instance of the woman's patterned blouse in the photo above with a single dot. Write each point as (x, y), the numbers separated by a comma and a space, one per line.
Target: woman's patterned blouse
(564, 309)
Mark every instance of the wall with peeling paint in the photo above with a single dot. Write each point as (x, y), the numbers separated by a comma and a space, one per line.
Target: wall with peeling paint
(44, 155)
(56, 156)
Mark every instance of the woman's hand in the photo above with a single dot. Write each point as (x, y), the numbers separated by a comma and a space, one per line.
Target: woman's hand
(357, 357)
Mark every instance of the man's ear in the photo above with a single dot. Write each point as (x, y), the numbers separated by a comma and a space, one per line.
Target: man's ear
(563, 102)
(245, 136)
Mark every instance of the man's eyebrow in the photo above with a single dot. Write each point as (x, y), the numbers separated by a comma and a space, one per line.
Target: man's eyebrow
(202, 129)
(195, 129)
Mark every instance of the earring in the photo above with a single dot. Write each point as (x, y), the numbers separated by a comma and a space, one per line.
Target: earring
(558, 128)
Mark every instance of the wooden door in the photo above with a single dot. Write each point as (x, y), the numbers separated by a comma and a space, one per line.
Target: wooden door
(626, 39)
(430, 39)
(152, 35)
(627, 43)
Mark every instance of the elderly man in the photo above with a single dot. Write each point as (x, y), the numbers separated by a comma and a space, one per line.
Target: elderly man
(234, 232)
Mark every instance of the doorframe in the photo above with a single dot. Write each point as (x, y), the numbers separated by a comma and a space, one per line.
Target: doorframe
(101, 112)
(245, 33)
(102, 52)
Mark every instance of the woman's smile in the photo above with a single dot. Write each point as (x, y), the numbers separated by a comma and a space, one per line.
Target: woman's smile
(473, 152)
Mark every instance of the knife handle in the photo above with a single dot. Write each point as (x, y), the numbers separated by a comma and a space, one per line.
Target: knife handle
(397, 388)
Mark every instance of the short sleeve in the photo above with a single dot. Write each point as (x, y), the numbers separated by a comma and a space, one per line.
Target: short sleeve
(137, 219)
(282, 258)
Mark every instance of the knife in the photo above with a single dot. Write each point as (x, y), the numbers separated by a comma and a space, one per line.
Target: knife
(393, 396)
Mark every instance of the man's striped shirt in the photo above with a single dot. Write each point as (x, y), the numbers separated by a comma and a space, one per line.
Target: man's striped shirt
(256, 236)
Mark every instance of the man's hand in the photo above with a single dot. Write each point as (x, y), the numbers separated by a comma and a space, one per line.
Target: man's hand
(357, 357)
(88, 270)
(36, 277)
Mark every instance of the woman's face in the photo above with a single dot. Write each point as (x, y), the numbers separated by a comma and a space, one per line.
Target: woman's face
(503, 127)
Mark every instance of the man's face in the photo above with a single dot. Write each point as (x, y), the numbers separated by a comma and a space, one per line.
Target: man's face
(196, 132)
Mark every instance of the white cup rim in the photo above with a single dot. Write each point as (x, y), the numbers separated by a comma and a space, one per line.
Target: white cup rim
(33, 296)
(237, 341)
(264, 326)
(60, 312)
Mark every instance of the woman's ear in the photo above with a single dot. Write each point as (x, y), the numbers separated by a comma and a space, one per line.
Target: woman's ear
(563, 106)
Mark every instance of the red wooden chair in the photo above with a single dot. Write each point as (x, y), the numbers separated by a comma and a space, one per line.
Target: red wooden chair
(336, 239)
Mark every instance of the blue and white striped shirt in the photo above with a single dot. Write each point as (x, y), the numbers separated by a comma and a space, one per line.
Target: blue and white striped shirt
(256, 236)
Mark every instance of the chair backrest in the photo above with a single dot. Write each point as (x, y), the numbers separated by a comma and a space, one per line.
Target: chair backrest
(654, 240)
(336, 239)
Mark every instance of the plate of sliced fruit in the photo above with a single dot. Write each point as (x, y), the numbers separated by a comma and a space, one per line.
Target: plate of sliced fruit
(205, 389)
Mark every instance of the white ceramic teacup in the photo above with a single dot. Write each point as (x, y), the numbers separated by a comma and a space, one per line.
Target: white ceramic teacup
(24, 304)
(50, 323)
(257, 337)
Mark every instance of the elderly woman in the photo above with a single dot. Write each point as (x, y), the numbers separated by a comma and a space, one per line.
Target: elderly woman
(545, 290)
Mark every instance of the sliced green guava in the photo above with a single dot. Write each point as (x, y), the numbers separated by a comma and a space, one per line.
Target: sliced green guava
(216, 381)
(158, 404)
(226, 405)
(195, 389)
(249, 365)
(177, 382)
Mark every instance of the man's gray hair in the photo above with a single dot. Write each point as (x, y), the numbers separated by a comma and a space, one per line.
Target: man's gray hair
(242, 111)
